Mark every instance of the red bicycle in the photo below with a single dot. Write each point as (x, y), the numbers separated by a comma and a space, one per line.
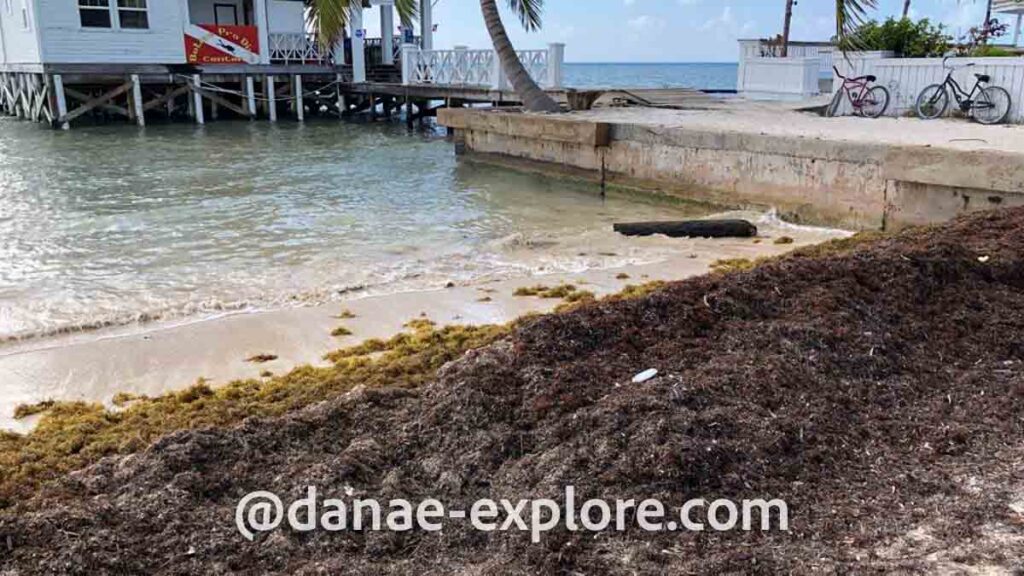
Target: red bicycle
(870, 102)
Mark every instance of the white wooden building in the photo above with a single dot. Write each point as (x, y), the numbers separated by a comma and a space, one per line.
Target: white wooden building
(64, 59)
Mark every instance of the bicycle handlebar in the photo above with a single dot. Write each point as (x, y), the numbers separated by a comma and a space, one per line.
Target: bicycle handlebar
(946, 66)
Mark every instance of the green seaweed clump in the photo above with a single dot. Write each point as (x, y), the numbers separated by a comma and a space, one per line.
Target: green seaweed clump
(541, 291)
(341, 331)
(72, 435)
(26, 410)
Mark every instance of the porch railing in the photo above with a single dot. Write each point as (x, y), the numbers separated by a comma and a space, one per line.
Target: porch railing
(465, 67)
(298, 48)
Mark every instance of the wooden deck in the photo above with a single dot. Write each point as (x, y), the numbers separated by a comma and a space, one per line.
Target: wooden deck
(62, 93)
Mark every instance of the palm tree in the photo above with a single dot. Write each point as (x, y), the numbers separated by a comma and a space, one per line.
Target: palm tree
(534, 99)
(785, 28)
(329, 17)
(850, 14)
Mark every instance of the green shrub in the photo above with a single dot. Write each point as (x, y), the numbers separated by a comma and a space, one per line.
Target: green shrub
(905, 38)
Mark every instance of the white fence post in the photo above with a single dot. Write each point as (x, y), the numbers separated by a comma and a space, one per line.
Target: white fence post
(410, 56)
(556, 56)
(498, 80)
(460, 65)
(358, 43)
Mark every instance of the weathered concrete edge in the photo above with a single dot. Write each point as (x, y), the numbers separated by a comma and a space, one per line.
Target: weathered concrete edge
(903, 184)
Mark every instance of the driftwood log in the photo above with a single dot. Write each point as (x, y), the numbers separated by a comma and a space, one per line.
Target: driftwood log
(690, 229)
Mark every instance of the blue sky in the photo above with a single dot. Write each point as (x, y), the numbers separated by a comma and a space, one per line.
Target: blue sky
(668, 30)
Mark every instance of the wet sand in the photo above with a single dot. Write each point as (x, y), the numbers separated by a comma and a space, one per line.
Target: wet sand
(165, 357)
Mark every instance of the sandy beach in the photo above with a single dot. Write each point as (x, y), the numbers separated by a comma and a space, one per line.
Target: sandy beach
(160, 357)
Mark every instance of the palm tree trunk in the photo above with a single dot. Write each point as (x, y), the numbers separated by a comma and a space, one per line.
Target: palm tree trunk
(906, 8)
(988, 23)
(785, 29)
(534, 99)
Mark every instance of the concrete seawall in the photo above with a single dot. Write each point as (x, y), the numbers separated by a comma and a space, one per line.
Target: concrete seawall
(854, 180)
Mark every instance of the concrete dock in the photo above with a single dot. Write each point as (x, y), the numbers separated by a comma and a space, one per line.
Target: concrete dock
(851, 172)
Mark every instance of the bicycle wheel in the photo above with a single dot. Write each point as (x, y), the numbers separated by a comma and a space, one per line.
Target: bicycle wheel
(992, 105)
(875, 102)
(933, 102)
(833, 106)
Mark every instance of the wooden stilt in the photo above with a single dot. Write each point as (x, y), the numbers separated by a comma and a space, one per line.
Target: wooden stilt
(271, 99)
(340, 98)
(61, 99)
(102, 101)
(140, 112)
(197, 99)
(250, 94)
(300, 105)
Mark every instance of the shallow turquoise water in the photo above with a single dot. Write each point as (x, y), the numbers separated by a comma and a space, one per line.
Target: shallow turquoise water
(702, 76)
(109, 225)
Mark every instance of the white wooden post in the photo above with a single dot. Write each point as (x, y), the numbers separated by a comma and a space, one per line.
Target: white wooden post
(460, 64)
(499, 81)
(197, 99)
(1016, 30)
(341, 98)
(556, 56)
(410, 55)
(387, 34)
(339, 51)
(300, 104)
(271, 99)
(140, 116)
(427, 24)
(358, 43)
(250, 93)
(263, 29)
(62, 103)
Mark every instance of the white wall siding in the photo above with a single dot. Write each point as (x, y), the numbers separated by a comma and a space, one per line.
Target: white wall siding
(20, 44)
(285, 16)
(907, 77)
(65, 41)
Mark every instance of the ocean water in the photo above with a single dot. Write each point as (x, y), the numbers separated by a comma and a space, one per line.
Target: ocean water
(114, 225)
(706, 76)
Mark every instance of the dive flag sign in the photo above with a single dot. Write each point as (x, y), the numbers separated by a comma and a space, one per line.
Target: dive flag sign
(213, 44)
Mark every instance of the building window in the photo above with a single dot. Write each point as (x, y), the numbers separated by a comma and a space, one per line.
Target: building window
(132, 14)
(94, 13)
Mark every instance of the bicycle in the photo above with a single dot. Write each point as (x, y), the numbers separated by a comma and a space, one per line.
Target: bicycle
(990, 106)
(868, 102)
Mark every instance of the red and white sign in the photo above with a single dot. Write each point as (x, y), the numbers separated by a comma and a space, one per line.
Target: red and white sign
(213, 44)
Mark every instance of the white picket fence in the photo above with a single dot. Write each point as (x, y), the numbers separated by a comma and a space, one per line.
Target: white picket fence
(479, 68)
(907, 77)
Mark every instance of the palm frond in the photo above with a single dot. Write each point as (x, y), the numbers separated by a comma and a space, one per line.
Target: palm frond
(529, 12)
(850, 14)
(407, 10)
(328, 18)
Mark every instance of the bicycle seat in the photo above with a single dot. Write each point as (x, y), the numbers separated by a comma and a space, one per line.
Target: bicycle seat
(983, 77)
(870, 78)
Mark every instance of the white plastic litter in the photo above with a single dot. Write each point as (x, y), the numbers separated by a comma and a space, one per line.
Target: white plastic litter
(645, 376)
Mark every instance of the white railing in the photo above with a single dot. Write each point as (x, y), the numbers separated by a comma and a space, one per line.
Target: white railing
(478, 68)
(297, 48)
